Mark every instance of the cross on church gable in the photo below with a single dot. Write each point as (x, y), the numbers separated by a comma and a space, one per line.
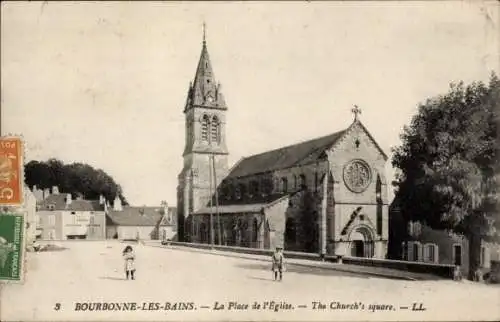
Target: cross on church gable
(357, 143)
(356, 111)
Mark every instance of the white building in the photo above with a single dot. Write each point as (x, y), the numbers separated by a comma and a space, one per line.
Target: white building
(141, 223)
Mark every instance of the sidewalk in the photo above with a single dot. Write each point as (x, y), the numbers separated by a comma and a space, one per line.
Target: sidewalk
(357, 269)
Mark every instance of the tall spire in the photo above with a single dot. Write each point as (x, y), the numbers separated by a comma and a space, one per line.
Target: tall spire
(204, 33)
(205, 91)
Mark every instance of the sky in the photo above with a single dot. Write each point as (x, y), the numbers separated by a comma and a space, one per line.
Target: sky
(105, 83)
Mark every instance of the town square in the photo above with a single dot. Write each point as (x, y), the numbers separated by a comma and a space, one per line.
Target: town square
(249, 161)
(91, 272)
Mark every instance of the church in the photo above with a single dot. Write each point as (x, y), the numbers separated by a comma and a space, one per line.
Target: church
(327, 195)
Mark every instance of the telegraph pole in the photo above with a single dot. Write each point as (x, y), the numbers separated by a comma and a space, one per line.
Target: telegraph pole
(210, 196)
(216, 203)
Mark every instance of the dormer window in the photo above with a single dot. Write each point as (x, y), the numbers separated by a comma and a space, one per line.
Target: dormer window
(237, 192)
(243, 190)
(284, 184)
(303, 181)
(226, 191)
(254, 188)
(266, 185)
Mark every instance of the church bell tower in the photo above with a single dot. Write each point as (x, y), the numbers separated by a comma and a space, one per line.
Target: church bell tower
(205, 144)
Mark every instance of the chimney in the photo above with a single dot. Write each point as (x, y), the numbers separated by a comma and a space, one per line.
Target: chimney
(46, 193)
(102, 201)
(38, 193)
(68, 199)
(117, 204)
(55, 190)
(164, 205)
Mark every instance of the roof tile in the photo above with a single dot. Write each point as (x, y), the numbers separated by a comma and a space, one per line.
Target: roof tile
(138, 216)
(59, 202)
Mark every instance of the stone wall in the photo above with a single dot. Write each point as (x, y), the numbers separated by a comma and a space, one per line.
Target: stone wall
(193, 191)
(241, 229)
(133, 232)
(371, 202)
(304, 183)
(276, 215)
(343, 152)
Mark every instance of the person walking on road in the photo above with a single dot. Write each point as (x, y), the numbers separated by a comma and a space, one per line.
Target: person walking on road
(129, 257)
(278, 263)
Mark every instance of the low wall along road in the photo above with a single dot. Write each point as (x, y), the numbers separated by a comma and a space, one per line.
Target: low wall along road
(386, 267)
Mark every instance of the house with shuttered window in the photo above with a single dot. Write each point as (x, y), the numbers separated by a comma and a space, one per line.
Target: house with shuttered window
(413, 241)
(59, 216)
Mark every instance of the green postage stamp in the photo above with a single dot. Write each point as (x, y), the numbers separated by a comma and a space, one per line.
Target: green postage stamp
(11, 247)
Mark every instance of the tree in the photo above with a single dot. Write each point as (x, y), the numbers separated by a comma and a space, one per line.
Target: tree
(75, 178)
(448, 160)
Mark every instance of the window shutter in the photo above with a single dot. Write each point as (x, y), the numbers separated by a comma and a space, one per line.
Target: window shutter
(427, 250)
(410, 251)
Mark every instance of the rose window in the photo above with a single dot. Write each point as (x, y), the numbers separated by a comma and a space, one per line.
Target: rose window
(357, 176)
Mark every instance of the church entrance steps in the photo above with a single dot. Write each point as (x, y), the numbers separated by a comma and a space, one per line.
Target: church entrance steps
(307, 260)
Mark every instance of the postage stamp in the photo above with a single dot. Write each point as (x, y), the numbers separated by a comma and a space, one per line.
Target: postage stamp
(11, 171)
(11, 247)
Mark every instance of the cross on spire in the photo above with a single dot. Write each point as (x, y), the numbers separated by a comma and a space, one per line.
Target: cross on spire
(356, 111)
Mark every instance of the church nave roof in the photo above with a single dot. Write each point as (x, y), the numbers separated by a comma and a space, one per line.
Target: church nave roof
(293, 155)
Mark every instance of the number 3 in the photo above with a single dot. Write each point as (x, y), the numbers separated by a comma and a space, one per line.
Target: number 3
(57, 307)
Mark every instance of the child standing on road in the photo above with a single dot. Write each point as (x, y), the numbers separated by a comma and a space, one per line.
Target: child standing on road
(457, 274)
(129, 257)
(278, 263)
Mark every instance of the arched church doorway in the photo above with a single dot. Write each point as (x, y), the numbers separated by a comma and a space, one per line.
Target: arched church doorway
(361, 242)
